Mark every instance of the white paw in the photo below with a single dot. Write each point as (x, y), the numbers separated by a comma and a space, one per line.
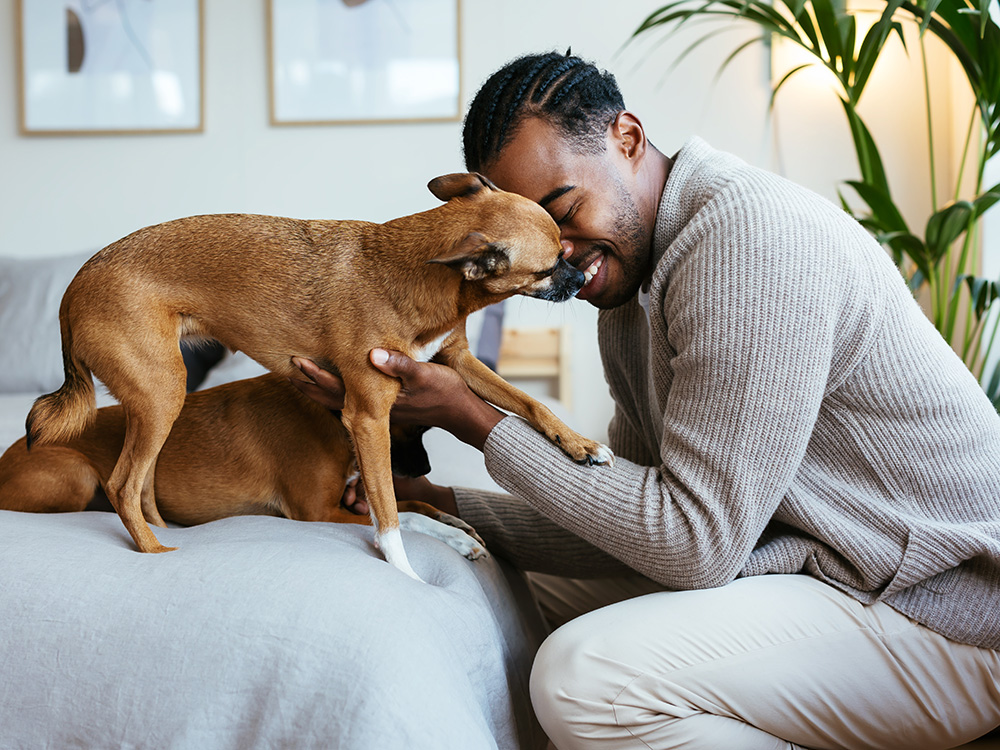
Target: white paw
(461, 525)
(454, 537)
(604, 455)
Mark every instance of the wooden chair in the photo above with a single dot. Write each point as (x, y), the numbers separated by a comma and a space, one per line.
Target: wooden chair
(537, 354)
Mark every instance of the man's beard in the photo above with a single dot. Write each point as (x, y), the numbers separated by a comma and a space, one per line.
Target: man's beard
(632, 251)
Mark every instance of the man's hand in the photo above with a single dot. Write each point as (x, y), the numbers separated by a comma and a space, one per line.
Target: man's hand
(323, 387)
(406, 488)
(433, 395)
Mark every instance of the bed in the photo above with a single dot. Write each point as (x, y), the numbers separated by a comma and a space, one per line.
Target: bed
(258, 632)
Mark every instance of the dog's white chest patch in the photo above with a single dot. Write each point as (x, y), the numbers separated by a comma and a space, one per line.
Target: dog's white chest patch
(427, 351)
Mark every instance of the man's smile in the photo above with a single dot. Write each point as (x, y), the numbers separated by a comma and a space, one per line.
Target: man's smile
(591, 271)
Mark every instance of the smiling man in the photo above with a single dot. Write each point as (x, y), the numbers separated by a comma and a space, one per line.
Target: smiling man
(808, 478)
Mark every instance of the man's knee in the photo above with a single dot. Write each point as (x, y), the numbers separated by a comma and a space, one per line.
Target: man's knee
(572, 682)
(550, 676)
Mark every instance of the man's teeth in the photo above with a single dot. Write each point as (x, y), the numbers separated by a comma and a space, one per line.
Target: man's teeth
(591, 272)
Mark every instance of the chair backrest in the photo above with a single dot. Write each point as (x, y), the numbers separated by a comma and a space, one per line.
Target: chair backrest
(537, 354)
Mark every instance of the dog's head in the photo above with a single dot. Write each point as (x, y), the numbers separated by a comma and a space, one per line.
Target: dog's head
(511, 245)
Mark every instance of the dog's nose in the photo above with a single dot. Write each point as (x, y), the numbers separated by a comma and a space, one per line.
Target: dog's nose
(564, 282)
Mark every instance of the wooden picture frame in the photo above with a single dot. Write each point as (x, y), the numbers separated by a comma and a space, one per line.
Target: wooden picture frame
(353, 62)
(101, 67)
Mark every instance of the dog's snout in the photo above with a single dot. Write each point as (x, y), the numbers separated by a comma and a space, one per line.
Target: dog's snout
(564, 283)
(570, 272)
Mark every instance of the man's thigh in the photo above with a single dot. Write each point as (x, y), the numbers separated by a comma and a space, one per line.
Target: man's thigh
(786, 655)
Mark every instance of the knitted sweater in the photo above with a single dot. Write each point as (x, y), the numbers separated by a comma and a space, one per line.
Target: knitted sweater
(784, 407)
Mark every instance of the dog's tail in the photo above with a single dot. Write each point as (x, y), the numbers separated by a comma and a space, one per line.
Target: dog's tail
(65, 413)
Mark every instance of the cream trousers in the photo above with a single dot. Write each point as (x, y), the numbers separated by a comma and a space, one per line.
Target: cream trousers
(773, 662)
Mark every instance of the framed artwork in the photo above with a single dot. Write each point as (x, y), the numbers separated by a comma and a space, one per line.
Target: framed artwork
(110, 66)
(362, 61)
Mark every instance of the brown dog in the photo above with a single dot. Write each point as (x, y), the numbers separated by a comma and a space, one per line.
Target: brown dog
(251, 447)
(329, 291)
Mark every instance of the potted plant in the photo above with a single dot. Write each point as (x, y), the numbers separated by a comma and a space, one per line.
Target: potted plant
(942, 256)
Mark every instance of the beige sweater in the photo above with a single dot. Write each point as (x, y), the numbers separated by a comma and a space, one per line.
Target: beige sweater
(785, 408)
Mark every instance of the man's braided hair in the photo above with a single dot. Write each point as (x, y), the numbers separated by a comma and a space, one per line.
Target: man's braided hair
(569, 92)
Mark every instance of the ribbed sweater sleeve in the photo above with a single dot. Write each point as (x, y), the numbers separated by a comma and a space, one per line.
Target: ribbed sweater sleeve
(520, 534)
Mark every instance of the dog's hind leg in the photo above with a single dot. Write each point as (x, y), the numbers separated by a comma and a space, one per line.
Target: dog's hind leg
(152, 396)
(147, 428)
(148, 499)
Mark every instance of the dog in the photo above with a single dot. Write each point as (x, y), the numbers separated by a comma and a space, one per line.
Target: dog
(327, 290)
(250, 447)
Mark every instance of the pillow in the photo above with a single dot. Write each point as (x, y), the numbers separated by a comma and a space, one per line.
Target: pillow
(31, 290)
(30, 348)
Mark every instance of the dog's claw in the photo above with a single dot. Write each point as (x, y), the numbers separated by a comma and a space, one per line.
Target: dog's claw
(602, 455)
(461, 525)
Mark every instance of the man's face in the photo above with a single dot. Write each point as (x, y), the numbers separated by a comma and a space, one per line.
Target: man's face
(590, 198)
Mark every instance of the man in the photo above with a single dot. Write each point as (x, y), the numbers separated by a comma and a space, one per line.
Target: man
(805, 469)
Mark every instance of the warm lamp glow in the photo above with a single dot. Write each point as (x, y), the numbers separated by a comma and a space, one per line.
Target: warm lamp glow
(787, 55)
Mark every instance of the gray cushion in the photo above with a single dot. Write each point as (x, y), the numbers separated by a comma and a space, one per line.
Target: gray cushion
(30, 292)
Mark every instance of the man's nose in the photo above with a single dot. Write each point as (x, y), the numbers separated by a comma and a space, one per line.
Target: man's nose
(567, 247)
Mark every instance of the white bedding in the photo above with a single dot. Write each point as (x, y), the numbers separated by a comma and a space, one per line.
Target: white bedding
(258, 632)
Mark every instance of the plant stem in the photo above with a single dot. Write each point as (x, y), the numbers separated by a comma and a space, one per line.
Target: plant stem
(930, 124)
(965, 151)
(970, 356)
(989, 347)
(932, 284)
(944, 286)
(972, 243)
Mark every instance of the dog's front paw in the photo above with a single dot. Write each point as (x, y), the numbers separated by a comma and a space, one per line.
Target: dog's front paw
(601, 454)
(584, 451)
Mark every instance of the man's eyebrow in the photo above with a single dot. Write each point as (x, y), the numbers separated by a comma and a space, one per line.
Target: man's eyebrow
(555, 194)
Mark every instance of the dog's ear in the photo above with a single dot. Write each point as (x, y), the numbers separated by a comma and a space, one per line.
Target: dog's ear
(475, 257)
(459, 185)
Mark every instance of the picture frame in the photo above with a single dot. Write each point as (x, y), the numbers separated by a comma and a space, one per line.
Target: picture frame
(102, 67)
(351, 62)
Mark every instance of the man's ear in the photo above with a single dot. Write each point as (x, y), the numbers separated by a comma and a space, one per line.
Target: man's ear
(628, 135)
(475, 257)
(459, 185)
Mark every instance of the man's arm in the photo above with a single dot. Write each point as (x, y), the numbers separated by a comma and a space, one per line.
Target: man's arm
(432, 395)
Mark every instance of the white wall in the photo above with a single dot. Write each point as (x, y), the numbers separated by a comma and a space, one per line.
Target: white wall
(68, 194)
